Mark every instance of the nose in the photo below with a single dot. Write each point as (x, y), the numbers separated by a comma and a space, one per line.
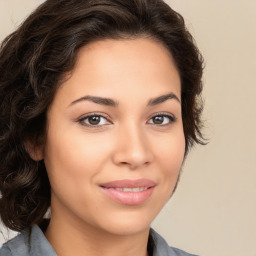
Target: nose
(132, 148)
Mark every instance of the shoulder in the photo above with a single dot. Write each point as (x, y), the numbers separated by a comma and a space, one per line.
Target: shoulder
(28, 243)
(4, 251)
(161, 248)
(18, 246)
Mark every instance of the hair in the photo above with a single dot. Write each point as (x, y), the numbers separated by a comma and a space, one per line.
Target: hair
(33, 62)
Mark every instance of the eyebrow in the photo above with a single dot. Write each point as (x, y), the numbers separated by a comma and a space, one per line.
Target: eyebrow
(113, 103)
(97, 100)
(162, 98)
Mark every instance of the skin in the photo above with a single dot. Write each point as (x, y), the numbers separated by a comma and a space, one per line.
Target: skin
(128, 143)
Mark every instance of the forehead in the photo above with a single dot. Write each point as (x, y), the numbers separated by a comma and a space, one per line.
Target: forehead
(112, 68)
(131, 53)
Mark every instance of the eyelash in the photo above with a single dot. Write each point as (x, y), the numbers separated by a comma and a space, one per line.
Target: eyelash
(81, 120)
(171, 118)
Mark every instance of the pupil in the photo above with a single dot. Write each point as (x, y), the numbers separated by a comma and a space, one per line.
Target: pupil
(158, 119)
(94, 120)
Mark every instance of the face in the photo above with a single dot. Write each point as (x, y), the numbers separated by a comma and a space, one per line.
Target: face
(115, 140)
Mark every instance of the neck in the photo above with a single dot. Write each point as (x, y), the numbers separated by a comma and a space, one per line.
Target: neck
(79, 238)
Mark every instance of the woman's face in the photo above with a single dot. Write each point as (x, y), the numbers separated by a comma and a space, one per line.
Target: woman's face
(115, 140)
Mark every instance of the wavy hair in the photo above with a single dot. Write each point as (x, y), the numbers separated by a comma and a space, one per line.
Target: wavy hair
(34, 60)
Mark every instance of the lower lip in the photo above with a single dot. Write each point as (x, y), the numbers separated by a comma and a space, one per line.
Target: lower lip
(129, 198)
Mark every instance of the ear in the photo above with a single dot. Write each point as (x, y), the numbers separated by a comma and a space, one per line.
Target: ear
(35, 152)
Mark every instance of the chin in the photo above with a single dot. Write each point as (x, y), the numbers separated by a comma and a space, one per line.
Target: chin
(128, 222)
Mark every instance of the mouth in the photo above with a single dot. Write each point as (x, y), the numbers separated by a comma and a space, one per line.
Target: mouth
(129, 192)
(131, 189)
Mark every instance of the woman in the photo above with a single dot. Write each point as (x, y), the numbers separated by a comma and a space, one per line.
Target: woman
(100, 103)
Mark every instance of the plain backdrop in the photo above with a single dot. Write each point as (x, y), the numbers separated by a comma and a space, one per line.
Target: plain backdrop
(213, 211)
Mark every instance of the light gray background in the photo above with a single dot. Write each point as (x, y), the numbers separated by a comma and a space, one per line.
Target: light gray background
(213, 211)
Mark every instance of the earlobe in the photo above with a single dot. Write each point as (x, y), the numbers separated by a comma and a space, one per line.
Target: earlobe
(35, 152)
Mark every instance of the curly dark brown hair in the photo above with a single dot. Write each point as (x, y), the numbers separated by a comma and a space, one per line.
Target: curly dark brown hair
(35, 58)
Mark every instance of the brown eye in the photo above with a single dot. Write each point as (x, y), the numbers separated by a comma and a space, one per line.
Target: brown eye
(94, 120)
(162, 119)
(158, 119)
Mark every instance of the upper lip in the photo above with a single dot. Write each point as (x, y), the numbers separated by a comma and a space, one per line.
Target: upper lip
(126, 183)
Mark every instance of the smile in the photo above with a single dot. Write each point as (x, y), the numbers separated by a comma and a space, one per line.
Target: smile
(129, 192)
(131, 189)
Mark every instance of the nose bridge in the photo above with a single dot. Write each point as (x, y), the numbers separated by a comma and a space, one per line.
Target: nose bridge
(133, 146)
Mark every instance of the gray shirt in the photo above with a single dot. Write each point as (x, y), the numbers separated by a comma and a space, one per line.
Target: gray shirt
(37, 245)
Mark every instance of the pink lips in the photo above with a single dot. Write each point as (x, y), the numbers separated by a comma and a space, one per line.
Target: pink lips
(129, 192)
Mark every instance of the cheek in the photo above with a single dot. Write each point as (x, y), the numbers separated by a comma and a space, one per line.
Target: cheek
(170, 155)
(171, 150)
(71, 158)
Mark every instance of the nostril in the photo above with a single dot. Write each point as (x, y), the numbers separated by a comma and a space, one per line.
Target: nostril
(135, 165)
(132, 155)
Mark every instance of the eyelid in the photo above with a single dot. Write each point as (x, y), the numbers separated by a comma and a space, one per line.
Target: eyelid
(81, 119)
(88, 115)
(171, 117)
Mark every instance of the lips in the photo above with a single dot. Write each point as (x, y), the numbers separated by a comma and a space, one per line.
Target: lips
(129, 192)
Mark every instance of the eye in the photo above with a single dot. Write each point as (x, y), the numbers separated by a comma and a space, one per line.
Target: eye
(162, 119)
(94, 120)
